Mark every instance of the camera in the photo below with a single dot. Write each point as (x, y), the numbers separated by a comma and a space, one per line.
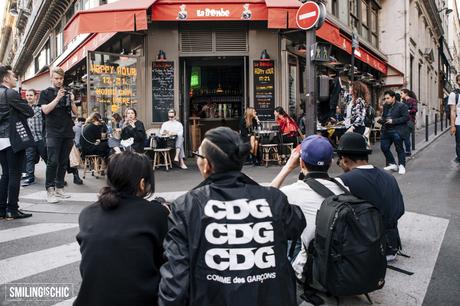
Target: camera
(65, 101)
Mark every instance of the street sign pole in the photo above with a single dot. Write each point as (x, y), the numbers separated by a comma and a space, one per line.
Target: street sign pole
(310, 88)
(310, 17)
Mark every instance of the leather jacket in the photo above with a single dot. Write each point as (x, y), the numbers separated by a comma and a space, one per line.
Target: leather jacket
(10, 99)
(227, 245)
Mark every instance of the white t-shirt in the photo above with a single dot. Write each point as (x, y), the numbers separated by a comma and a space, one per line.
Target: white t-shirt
(4, 143)
(452, 102)
(172, 126)
(309, 201)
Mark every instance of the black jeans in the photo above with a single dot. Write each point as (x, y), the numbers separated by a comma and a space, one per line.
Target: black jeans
(387, 139)
(58, 157)
(457, 142)
(11, 177)
(407, 138)
(33, 155)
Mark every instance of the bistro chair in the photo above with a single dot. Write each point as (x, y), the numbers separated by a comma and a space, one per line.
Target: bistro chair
(286, 150)
(94, 164)
(270, 154)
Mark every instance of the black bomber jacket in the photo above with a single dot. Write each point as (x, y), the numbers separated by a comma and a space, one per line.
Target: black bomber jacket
(227, 245)
(10, 99)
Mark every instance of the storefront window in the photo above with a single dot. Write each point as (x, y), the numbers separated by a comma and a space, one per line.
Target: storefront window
(112, 83)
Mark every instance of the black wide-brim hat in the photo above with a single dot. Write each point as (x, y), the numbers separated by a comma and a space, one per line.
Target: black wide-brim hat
(353, 143)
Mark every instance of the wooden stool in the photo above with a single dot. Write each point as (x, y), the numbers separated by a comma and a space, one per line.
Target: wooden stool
(95, 164)
(289, 146)
(270, 153)
(164, 154)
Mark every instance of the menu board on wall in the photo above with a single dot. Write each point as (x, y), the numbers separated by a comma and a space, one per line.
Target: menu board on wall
(264, 88)
(162, 90)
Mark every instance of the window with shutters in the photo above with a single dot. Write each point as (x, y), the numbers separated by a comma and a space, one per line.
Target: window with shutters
(213, 39)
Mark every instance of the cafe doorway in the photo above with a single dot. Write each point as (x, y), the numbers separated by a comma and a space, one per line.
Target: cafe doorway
(214, 93)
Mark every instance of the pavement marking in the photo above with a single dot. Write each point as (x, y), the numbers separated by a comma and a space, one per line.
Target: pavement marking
(421, 237)
(68, 302)
(22, 266)
(92, 196)
(33, 230)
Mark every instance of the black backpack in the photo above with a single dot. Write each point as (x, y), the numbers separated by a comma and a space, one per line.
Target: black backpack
(370, 116)
(347, 255)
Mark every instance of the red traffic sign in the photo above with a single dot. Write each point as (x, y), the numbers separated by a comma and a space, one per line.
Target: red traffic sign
(308, 15)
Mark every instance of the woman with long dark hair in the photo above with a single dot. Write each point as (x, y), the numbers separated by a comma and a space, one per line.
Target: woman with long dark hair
(410, 99)
(227, 233)
(133, 128)
(288, 127)
(360, 97)
(121, 237)
(91, 140)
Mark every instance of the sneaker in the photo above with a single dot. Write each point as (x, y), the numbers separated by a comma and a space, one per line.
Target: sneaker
(408, 154)
(16, 214)
(51, 195)
(27, 182)
(402, 169)
(59, 192)
(391, 167)
(183, 166)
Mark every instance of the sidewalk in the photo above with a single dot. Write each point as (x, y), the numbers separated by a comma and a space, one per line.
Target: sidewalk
(182, 180)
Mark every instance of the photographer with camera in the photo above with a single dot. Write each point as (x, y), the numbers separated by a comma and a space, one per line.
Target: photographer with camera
(57, 105)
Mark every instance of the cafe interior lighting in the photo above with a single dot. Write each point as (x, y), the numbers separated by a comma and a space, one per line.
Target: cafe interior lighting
(264, 55)
(161, 55)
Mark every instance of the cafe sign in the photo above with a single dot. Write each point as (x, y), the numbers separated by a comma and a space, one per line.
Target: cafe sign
(205, 11)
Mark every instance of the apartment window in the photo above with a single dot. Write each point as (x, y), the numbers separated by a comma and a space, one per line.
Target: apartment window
(354, 15)
(419, 80)
(374, 25)
(335, 8)
(364, 20)
(43, 58)
(59, 36)
(411, 71)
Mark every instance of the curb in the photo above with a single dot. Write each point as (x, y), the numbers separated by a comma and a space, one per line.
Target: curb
(426, 144)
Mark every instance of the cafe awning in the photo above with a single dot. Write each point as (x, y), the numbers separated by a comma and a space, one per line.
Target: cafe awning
(281, 13)
(119, 16)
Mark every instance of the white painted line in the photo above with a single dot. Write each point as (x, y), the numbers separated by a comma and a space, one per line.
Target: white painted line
(33, 230)
(307, 15)
(22, 266)
(421, 238)
(68, 302)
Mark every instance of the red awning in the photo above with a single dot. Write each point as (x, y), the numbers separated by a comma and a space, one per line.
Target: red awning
(90, 44)
(331, 33)
(120, 16)
(205, 10)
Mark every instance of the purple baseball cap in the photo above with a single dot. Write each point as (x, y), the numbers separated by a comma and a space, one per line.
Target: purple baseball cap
(316, 150)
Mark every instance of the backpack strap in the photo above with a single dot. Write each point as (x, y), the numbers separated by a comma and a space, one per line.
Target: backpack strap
(318, 187)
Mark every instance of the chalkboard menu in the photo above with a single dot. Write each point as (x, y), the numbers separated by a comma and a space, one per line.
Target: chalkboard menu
(264, 89)
(162, 90)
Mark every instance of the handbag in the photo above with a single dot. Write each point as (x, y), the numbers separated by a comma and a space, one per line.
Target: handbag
(20, 134)
(74, 157)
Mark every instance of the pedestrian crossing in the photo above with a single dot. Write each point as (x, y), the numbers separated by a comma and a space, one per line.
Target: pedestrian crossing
(58, 262)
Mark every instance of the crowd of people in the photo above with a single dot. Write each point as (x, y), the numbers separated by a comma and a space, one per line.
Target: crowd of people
(226, 241)
(45, 126)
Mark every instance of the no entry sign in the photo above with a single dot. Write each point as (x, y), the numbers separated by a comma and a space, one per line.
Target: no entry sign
(308, 15)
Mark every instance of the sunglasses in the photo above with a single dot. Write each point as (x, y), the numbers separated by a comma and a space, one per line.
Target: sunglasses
(196, 154)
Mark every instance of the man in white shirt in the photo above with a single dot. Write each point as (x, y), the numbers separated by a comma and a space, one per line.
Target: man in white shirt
(172, 127)
(455, 118)
(316, 158)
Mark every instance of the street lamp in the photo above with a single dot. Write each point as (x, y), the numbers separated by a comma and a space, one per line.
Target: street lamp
(448, 10)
